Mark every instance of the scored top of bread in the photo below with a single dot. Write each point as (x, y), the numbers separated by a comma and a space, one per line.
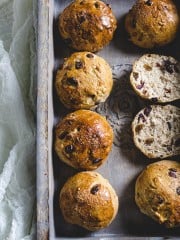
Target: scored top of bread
(156, 131)
(156, 77)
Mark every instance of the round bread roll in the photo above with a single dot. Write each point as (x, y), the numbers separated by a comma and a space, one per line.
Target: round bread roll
(84, 81)
(87, 25)
(157, 192)
(156, 131)
(83, 139)
(156, 77)
(152, 23)
(88, 200)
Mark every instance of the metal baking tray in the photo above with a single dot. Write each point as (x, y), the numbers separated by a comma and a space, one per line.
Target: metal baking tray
(124, 163)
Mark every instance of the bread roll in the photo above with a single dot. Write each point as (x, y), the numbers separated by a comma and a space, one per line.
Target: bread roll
(157, 192)
(83, 139)
(88, 200)
(152, 23)
(156, 77)
(156, 131)
(87, 25)
(84, 81)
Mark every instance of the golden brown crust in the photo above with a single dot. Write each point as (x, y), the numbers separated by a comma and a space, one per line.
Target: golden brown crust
(87, 25)
(157, 192)
(83, 139)
(88, 200)
(152, 23)
(84, 81)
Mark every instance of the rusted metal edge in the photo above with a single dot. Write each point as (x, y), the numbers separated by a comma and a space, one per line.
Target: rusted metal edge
(43, 75)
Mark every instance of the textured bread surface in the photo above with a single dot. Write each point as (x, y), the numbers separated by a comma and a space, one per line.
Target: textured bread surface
(156, 131)
(87, 25)
(156, 77)
(84, 81)
(83, 139)
(88, 200)
(157, 192)
(152, 23)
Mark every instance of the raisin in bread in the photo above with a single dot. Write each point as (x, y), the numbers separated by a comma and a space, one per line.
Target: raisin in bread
(156, 77)
(88, 200)
(156, 131)
(157, 192)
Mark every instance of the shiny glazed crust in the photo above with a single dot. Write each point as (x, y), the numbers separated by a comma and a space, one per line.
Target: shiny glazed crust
(157, 192)
(152, 23)
(88, 200)
(83, 139)
(84, 81)
(87, 25)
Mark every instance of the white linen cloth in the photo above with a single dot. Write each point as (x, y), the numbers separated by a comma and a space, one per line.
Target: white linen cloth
(17, 119)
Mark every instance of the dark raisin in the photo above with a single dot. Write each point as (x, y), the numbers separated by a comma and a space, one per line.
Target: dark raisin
(154, 99)
(148, 2)
(169, 148)
(138, 128)
(96, 5)
(63, 135)
(141, 117)
(169, 66)
(95, 189)
(78, 65)
(149, 141)
(89, 55)
(72, 81)
(158, 65)
(167, 90)
(141, 85)
(69, 148)
(177, 142)
(135, 75)
(169, 125)
(172, 172)
(96, 160)
(147, 110)
(178, 190)
(82, 19)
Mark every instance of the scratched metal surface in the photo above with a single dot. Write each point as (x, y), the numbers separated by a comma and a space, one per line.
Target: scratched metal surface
(124, 163)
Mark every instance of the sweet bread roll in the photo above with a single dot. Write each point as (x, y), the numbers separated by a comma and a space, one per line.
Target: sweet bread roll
(88, 200)
(152, 23)
(87, 25)
(156, 131)
(157, 192)
(83, 139)
(84, 81)
(156, 77)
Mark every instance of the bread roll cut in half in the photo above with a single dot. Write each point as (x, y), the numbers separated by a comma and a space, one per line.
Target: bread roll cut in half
(156, 77)
(83, 139)
(156, 131)
(152, 23)
(88, 200)
(84, 81)
(157, 192)
(87, 25)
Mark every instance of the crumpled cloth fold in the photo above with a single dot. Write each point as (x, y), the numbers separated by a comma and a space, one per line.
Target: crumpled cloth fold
(17, 119)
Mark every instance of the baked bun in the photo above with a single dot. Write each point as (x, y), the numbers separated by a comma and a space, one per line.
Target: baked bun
(152, 23)
(156, 77)
(88, 200)
(156, 131)
(87, 25)
(157, 192)
(84, 81)
(83, 139)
